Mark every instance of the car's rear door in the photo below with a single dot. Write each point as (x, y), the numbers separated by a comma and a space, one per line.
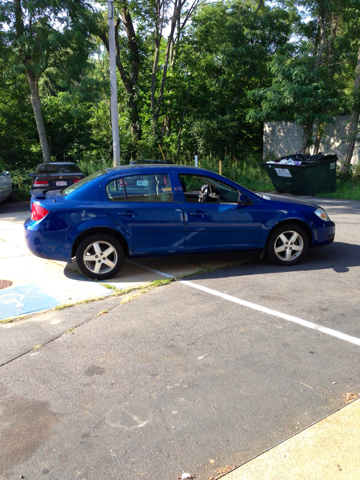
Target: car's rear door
(144, 205)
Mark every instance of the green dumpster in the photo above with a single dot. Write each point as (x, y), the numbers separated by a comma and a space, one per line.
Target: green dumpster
(309, 178)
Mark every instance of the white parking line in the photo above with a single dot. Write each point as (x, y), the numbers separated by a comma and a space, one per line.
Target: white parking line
(158, 272)
(259, 308)
(274, 313)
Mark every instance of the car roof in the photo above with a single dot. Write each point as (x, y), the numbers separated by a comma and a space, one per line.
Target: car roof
(154, 166)
(147, 161)
(56, 163)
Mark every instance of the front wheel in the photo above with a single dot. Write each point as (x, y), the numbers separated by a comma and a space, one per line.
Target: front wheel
(100, 256)
(287, 245)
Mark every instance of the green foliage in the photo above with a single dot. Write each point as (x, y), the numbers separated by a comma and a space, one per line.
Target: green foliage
(234, 66)
(224, 58)
(345, 191)
(22, 183)
(247, 171)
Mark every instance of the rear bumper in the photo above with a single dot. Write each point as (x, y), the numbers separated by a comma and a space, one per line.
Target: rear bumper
(46, 244)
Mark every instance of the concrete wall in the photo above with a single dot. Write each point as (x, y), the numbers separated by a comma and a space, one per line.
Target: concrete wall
(284, 138)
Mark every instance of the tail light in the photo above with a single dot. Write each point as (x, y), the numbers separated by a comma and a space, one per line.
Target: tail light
(165, 180)
(38, 212)
(77, 180)
(41, 183)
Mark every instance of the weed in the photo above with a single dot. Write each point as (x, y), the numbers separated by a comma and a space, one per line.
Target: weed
(7, 320)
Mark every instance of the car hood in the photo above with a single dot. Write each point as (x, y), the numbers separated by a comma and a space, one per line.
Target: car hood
(285, 199)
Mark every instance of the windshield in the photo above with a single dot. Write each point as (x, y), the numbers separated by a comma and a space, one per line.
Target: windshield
(82, 182)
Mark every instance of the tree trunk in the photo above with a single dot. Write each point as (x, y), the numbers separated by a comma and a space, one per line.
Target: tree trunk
(307, 129)
(354, 120)
(183, 116)
(33, 82)
(134, 70)
(130, 82)
(320, 131)
(156, 113)
(36, 105)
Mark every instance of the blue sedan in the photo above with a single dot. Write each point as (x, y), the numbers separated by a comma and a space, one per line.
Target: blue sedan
(153, 210)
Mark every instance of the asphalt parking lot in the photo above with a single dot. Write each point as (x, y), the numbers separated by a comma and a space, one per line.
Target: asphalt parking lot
(196, 376)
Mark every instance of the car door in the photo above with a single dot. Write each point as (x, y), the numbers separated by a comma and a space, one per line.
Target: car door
(143, 204)
(215, 219)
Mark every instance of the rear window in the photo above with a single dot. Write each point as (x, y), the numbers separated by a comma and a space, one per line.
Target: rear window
(82, 182)
(52, 168)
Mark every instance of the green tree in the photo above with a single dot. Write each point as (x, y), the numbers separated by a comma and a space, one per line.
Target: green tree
(142, 65)
(224, 57)
(308, 85)
(40, 35)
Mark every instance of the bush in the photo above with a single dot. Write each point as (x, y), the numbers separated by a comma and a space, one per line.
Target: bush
(22, 184)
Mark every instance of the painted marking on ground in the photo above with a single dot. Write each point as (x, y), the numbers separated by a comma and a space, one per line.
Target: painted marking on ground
(17, 301)
(259, 308)
(274, 313)
(158, 272)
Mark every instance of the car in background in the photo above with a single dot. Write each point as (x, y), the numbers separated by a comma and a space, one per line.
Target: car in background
(128, 211)
(55, 175)
(7, 189)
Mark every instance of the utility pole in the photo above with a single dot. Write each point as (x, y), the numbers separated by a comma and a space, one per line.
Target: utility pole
(113, 86)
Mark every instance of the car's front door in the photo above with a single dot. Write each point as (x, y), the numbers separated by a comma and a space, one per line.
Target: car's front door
(144, 206)
(214, 217)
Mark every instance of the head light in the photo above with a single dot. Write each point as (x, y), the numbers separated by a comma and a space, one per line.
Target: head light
(320, 212)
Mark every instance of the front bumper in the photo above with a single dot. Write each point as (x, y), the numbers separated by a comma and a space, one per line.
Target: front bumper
(324, 234)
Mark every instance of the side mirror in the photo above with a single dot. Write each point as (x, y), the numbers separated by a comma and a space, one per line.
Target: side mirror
(243, 199)
(6, 174)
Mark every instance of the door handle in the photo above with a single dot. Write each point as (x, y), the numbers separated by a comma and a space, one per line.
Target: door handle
(129, 213)
(198, 213)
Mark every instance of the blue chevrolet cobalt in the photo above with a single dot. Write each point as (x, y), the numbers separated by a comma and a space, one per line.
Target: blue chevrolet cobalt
(153, 210)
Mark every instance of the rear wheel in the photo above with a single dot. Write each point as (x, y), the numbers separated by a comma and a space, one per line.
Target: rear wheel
(287, 245)
(100, 256)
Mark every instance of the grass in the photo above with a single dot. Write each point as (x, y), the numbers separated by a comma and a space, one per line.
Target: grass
(344, 191)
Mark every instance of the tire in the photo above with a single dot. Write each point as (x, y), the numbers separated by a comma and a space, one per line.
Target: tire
(287, 244)
(100, 256)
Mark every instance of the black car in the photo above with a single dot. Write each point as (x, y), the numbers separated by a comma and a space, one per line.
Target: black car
(55, 175)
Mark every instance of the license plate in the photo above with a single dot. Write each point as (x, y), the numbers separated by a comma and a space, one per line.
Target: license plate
(61, 184)
(142, 183)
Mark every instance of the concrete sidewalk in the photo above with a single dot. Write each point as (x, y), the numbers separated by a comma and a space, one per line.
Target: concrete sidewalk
(328, 450)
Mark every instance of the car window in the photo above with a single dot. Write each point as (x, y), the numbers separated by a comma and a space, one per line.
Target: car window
(50, 168)
(115, 190)
(216, 191)
(82, 182)
(140, 188)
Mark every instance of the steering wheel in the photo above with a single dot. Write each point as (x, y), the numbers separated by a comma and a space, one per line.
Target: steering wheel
(204, 193)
